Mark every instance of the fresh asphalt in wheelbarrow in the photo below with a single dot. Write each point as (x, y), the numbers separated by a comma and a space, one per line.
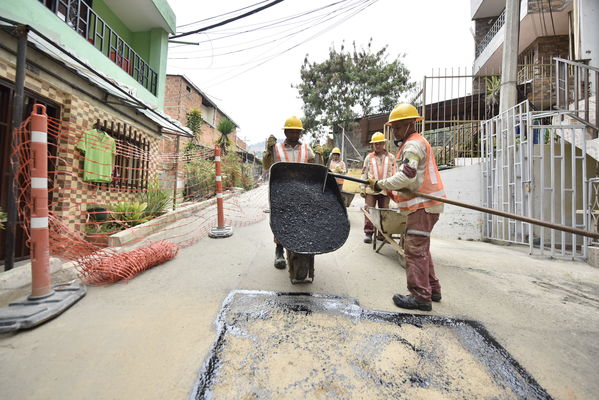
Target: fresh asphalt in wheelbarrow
(303, 217)
(300, 346)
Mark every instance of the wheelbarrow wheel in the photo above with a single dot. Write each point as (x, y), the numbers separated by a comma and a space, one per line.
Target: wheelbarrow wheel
(301, 267)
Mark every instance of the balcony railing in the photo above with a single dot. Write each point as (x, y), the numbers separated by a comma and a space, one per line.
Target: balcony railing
(79, 15)
(577, 86)
(490, 34)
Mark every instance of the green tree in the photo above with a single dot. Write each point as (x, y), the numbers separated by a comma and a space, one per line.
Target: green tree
(350, 85)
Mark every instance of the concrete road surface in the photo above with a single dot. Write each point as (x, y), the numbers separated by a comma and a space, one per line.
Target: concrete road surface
(147, 339)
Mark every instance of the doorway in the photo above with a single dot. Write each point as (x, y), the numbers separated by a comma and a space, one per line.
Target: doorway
(7, 91)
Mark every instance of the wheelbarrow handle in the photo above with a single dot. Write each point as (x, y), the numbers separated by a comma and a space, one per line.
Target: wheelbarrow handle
(349, 178)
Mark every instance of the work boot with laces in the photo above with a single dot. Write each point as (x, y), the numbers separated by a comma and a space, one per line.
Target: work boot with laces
(280, 262)
(409, 302)
(368, 238)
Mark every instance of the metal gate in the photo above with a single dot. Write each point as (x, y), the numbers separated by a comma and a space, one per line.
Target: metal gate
(535, 165)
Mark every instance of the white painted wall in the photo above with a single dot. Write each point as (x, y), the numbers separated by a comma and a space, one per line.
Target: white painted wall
(589, 31)
(461, 184)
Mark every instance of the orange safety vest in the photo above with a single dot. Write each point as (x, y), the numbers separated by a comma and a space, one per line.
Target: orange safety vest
(432, 180)
(282, 156)
(333, 165)
(380, 170)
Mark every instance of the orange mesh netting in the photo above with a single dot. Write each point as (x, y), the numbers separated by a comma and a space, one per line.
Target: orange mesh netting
(121, 201)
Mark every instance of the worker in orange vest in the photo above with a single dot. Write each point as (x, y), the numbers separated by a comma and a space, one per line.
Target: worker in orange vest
(337, 166)
(416, 171)
(291, 150)
(377, 165)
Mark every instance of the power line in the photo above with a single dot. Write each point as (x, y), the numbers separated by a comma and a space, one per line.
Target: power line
(367, 4)
(227, 21)
(221, 15)
(320, 19)
(296, 32)
(269, 24)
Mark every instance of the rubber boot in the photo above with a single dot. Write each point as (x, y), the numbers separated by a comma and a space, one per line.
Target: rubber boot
(280, 262)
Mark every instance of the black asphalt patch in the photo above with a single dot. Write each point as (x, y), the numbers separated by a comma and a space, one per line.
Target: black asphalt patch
(299, 345)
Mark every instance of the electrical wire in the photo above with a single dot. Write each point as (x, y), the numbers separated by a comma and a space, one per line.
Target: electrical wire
(366, 5)
(227, 21)
(551, 14)
(268, 57)
(273, 24)
(296, 32)
(319, 19)
(221, 15)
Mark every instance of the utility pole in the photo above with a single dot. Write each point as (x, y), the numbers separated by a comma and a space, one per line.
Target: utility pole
(509, 64)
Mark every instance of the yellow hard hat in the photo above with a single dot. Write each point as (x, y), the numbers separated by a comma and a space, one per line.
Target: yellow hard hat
(404, 111)
(336, 150)
(377, 137)
(294, 123)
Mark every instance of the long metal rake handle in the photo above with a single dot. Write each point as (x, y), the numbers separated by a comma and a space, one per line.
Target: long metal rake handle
(564, 228)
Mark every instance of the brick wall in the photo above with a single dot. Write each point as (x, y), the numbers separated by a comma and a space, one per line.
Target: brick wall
(181, 97)
(544, 48)
(538, 68)
(73, 196)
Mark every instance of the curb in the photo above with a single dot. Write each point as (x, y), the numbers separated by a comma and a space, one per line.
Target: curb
(17, 282)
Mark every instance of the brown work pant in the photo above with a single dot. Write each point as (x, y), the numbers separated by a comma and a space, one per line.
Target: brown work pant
(371, 201)
(420, 271)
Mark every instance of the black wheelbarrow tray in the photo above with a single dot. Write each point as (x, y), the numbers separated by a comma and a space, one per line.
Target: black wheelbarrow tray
(307, 212)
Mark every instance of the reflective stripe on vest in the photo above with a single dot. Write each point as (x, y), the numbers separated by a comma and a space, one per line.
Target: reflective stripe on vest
(281, 154)
(379, 171)
(432, 181)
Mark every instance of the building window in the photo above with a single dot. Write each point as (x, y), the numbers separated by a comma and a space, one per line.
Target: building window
(132, 159)
(188, 89)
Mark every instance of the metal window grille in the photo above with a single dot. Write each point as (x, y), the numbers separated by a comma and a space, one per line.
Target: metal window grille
(132, 159)
(79, 15)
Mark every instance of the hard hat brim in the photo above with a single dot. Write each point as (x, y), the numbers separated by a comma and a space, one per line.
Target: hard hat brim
(378, 141)
(416, 119)
(293, 128)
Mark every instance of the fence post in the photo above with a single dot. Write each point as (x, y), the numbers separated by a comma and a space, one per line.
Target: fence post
(220, 231)
(176, 184)
(40, 253)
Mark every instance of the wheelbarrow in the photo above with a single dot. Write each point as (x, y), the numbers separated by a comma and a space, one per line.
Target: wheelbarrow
(389, 224)
(307, 215)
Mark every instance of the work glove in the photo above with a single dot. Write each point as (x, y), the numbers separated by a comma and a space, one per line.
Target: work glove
(318, 149)
(372, 183)
(338, 170)
(271, 141)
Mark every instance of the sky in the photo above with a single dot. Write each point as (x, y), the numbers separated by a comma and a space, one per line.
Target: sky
(249, 75)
